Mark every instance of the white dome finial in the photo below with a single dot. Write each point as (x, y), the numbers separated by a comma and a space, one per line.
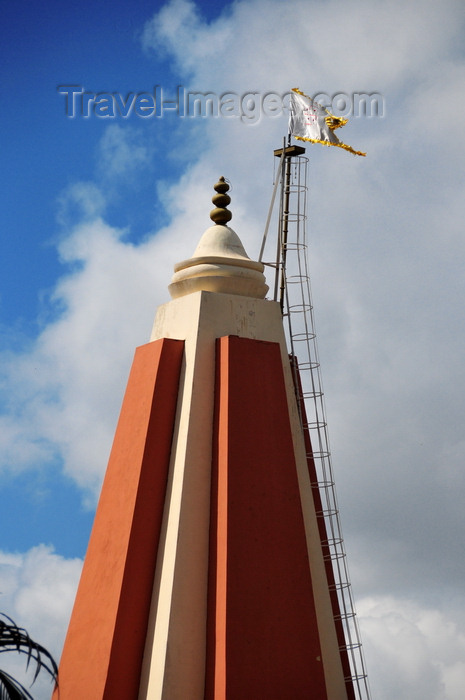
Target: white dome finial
(220, 263)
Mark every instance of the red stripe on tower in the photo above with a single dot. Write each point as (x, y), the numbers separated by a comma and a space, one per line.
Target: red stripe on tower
(104, 646)
(264, 639)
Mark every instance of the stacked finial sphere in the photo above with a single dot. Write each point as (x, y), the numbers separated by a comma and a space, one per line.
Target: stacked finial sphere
(221, 215)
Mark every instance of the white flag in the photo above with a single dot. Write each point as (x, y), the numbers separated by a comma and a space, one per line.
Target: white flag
(310, 121)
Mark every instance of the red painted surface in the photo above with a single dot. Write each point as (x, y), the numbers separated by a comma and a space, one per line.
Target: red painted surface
(104, 647)
(324, 539)
(263, 640)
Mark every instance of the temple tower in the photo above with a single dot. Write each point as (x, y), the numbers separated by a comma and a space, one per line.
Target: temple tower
(206, 576)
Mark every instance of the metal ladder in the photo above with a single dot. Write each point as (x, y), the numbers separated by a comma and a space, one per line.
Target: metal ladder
(293, 291)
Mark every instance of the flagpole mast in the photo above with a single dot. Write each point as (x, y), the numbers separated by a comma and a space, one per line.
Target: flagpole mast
(285, 229)
(286, 153)
(285, 215)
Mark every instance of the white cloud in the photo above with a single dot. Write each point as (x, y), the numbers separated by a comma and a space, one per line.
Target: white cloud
(180, 22)
(416, 653)
(63, 390)
(122, 152)
(37, 592)
(334, 46)
(81, 200)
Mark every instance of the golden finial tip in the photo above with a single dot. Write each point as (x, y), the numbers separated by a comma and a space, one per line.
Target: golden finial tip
(221, 215)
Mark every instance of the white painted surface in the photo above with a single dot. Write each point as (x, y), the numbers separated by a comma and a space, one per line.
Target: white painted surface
(219, 264)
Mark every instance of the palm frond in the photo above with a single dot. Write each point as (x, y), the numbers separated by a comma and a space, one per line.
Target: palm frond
(11, 689)
(14, 638)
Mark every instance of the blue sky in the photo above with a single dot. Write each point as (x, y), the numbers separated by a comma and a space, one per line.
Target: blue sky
(43, 151)
(96, 211)
(96, 46)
